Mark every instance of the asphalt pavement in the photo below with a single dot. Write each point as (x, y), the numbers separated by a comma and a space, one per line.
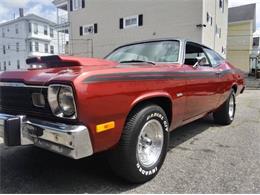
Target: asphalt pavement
(202, 158)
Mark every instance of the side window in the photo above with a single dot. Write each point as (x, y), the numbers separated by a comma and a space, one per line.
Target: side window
(214, 58)
(192, 52)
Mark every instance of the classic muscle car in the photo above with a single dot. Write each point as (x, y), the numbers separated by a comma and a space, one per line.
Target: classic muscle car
(125, 104)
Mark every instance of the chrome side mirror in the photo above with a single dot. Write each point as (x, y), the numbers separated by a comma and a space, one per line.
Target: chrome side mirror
(200, 61)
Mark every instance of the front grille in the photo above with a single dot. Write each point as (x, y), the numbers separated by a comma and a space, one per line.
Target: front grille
(18, 101)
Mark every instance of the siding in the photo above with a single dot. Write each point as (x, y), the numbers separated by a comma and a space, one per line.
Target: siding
(161, 18)
(240, 41)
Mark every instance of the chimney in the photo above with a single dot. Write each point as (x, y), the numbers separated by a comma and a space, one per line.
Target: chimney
(21, 12)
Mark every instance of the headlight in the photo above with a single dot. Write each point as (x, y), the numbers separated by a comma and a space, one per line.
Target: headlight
(66, 101)
(61, 100)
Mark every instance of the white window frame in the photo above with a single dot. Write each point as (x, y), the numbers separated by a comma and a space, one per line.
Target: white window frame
(208, 17)
(18, 65)
(17, 47)
(222, 2)
(218, 32)
(4, 49)
(76, 4)
(131, 25)
(51, 32)
(36, 46)
(51, 49)
(29, 27)
(3, 32)
(35, 28)
(88, 26)
(16, 29)
(46, 48)
(45, 29)
(31, 46)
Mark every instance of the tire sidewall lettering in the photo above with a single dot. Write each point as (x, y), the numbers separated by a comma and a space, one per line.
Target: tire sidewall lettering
(157, 115)
(146, 172)
(163, 120)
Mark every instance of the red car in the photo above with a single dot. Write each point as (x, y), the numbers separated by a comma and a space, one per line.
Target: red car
(126, 103)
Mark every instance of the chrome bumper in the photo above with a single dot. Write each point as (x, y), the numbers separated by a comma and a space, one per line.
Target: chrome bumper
(69, 140)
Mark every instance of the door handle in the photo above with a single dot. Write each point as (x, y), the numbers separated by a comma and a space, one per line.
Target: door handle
(219, 74)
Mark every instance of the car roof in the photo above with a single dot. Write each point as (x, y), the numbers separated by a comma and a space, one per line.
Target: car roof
(184, 40)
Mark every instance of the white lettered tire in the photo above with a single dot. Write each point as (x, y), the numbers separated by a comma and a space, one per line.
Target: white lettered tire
(143, 145)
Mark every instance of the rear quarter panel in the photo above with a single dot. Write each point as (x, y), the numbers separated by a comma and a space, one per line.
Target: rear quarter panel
(233, 78)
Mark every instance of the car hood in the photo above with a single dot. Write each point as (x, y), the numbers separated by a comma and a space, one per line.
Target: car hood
(49, 75)
(69, 74)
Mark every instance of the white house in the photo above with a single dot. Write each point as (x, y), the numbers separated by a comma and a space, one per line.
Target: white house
(62, 26)
(255, 54)
(23, 37)
(98, 26)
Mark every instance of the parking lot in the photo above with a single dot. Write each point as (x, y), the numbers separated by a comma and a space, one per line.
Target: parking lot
(202, 158)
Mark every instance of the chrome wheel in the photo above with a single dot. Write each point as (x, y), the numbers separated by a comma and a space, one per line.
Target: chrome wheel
(232, 105)
(150, 143)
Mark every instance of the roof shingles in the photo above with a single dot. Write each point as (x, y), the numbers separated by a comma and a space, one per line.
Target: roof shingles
(242, 13)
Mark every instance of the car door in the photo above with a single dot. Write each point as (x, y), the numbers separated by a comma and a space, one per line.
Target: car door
(219, 66)
(201, 85)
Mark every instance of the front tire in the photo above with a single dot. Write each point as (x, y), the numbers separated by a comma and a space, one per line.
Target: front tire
(143, 145)
(226, 113)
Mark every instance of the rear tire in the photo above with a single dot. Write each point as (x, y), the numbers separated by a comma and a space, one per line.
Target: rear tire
(143, 145)
(226, 113)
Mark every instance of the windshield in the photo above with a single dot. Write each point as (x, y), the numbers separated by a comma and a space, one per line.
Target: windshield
(158, 51)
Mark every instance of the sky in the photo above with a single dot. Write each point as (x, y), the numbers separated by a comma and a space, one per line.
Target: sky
(45, 8)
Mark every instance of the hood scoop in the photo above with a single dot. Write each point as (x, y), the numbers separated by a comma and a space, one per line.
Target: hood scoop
(56, 61)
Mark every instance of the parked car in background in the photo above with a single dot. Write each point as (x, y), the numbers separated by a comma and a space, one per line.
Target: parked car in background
(125, 104)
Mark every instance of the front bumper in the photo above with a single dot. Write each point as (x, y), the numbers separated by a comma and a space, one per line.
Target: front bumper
(69, 140)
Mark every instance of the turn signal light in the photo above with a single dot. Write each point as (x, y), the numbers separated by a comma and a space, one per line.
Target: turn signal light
(105, 127)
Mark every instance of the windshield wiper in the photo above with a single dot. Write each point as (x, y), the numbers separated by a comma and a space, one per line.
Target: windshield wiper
(137, 61)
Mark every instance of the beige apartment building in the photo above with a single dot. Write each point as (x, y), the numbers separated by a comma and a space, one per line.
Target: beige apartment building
(96, 27)
(242, 25)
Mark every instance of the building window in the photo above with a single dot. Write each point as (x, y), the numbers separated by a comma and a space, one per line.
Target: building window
(35, 28)
(16, 29)
(218, 31)
(223, 50)
(36, 46)
(208, 17)
(76, 4)
(88, 29)
(18, 64)
(52, 49)
(46, 48)
(9, 63)
(221, 5)
(131, 22)
(3, 32)
(256, 41)
(4, 65)
(4, 51)
(30, 47)
(30, 27)
(45, 30)
(17, 47)
(51, 32)
(8, 47)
